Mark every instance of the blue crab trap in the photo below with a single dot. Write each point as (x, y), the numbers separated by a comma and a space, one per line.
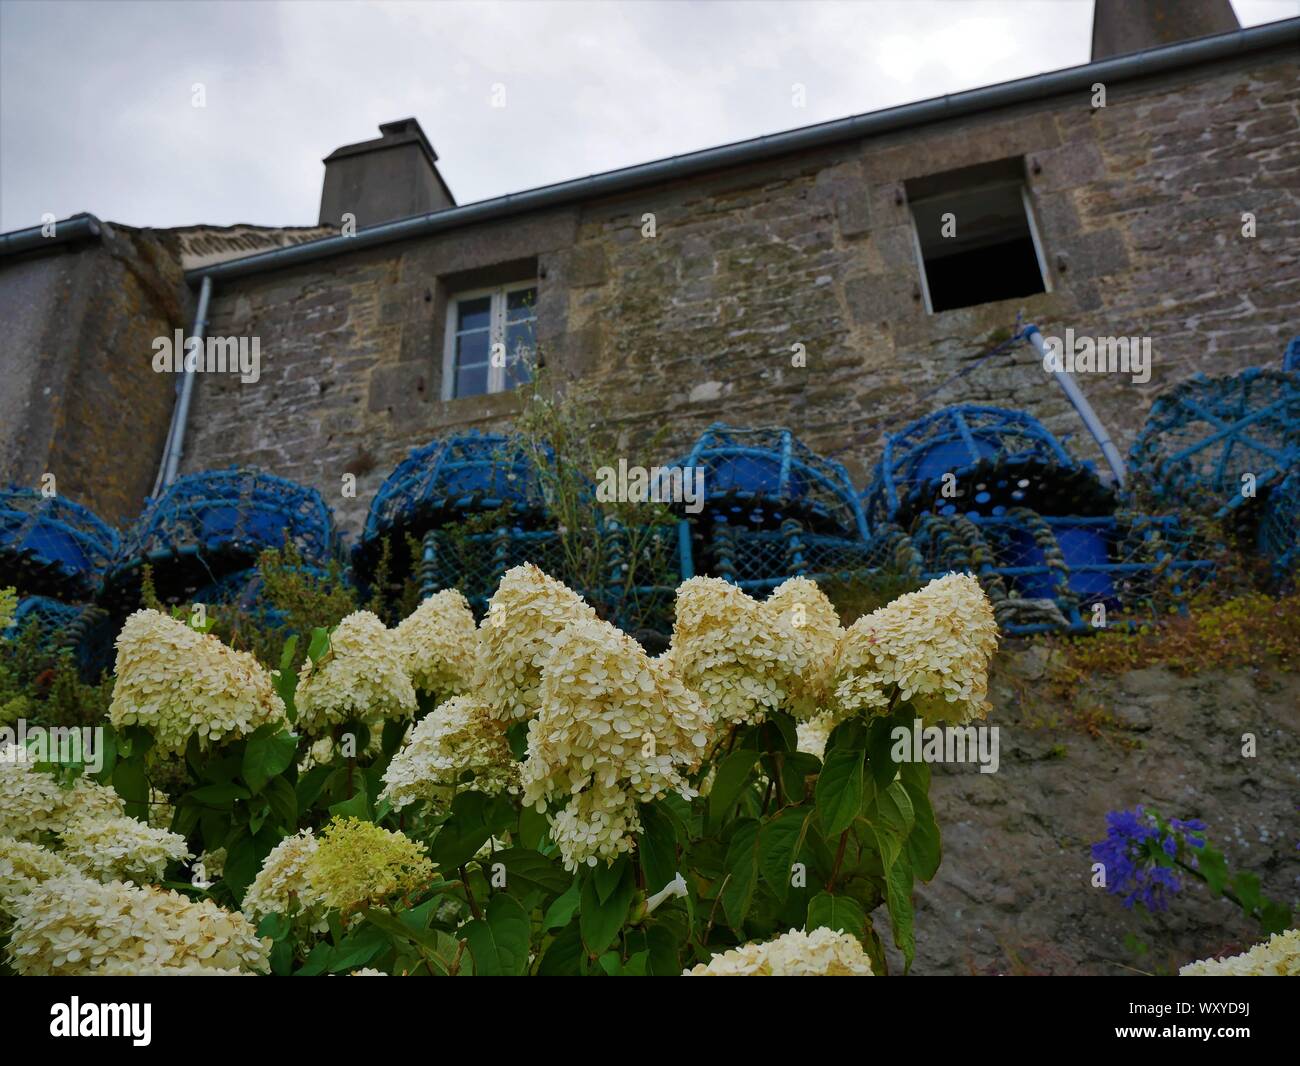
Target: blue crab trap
(967, 459)
(82, 630)
(1277, 537)
(210, 525)
(1291, 357)
(1072, 573)
(446, 482)
(51, 546)
(1207, 439)
(761, 478)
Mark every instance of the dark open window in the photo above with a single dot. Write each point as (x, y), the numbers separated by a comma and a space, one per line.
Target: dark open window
(976, 235)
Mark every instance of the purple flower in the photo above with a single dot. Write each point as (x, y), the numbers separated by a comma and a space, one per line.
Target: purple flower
(1135, 843)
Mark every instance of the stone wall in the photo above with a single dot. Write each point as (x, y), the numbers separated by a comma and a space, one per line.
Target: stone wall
(81, 399)
(1139, 205)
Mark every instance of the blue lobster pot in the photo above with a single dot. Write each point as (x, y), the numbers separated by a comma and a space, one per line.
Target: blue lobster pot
(1081, 545)
(752, 473)
(57, 544)
(948, 456)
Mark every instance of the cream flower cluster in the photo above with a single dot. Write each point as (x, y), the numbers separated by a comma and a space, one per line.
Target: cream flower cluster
(527, 610)
(32, 803)
(614, 728)
(745, 658)
(179, 683)
(358, 863)
(24, 865)
(1279, 956)
(362, 677)
(821, 953)
(119, 848)
(282, 885)
(73, 925)
(934, 645)
(456, 738)
(439, 644)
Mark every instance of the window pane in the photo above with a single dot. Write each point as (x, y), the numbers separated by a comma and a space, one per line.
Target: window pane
(474, 314)
(472, 348)
(472, 380)
(517, 372)
(521, 304)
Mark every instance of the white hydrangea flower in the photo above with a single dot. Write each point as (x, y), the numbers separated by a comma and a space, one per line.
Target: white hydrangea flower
(178, 683)
(282, 885)
(597, 825)
(120, 848)
(814, 733)
(161, 809)
(726, 650)
(807, 634)
(362, 678)
(611, 717)
(24, 865)
(821, 953)
(32, 803)
(366, 971)
(527, 610)
(76, 926)
(934, 645)
(439, 643)
(1279, 956)
(457, 737)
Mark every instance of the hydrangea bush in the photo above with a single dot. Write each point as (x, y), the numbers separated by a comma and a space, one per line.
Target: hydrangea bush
(535, 794)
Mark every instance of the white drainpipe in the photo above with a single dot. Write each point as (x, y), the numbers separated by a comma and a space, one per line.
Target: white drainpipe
(175, 446)
(1080, 402)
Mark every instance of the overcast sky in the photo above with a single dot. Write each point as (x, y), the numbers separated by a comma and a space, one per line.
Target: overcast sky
(96, 99)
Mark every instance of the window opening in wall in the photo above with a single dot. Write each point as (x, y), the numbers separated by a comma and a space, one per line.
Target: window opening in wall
(491, 340)
(976, 236)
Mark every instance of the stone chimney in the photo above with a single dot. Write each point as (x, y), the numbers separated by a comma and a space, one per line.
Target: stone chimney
(1123, 26)
(395, 176)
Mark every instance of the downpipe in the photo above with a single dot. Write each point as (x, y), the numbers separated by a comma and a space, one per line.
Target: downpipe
(175, 446)
(1081, 405)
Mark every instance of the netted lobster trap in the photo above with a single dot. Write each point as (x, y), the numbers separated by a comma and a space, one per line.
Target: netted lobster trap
(979, 460)
(52, 546)
(1074, 573)
(474, 563)
(445, 482)
(771, 509)
(1277, 535)
(208, 526)
(82, 630)
(1211, 443)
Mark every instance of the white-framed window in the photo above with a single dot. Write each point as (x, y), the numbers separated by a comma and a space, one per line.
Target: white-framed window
(491, 340)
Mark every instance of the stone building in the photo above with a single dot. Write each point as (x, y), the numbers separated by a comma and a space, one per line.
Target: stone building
(836, 279)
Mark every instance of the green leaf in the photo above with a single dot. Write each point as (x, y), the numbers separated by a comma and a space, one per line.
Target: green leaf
(741, 865)
(608, 877)
(498, 942)
(892, 810)
(733, 773)
(1213, 868)
(133, 786)
(356, 807)
(266, 757)
(839, 790)
(837, 912)
(310, 785)
(898, 894)
(276, 926)
(879, 747)
(1246, 887)
(778, 845)
(564, 957)
(526, 870)
(284, 803)
(924, 844)
(657, 847)
(599, 921)
(220, 797)
(357, 949)
(461, 836)
(561, 912)
(533, 827)
(796, 768)
(319, 646)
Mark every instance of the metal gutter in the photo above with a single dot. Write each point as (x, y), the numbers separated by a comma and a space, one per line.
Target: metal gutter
(77, 228)
(175, 446)
(1040, 86)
